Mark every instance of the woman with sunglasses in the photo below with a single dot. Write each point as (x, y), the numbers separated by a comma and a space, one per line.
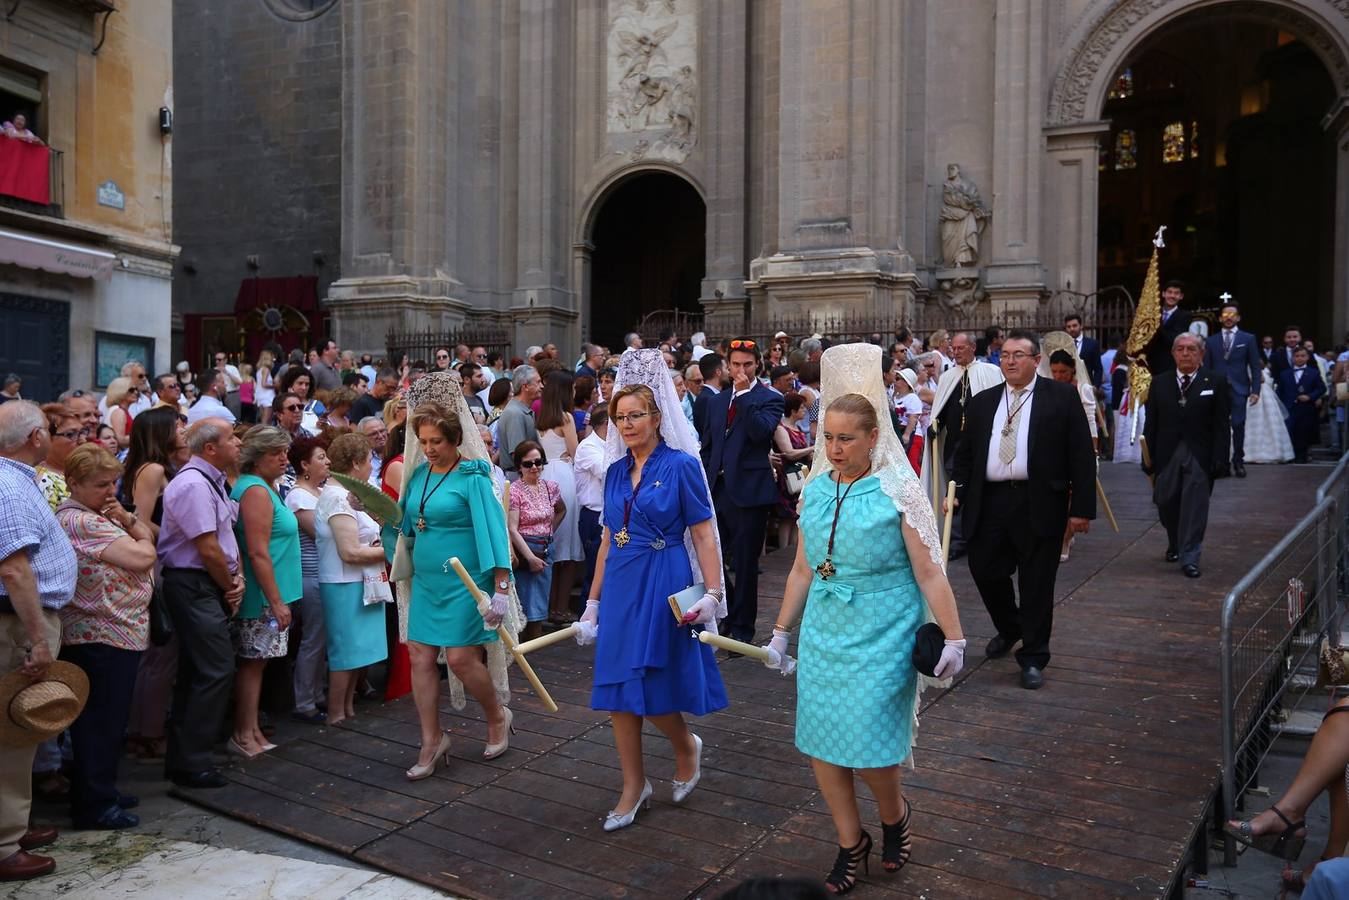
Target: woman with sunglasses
(442, 362)
(537, 509)
(64, 427)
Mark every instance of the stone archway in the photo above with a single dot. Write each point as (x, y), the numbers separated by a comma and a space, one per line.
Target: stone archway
(1108, 34)
(642, 248)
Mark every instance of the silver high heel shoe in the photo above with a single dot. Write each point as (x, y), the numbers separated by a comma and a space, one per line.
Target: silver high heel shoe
(683, 788)
(492, 751)
(614, 821)
(417, 773)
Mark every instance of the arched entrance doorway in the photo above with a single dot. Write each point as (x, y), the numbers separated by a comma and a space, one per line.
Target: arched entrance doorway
(1216, 130)
(648, 252)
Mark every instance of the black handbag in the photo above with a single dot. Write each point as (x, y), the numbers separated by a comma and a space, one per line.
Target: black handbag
(928, 644)
(161, 623)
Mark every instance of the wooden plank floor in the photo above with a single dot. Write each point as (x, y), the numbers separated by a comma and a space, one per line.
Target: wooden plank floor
(1091, 787)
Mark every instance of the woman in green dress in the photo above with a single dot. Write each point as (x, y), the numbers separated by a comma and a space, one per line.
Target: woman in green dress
(450, 509)
(269, 545)
(868, 573)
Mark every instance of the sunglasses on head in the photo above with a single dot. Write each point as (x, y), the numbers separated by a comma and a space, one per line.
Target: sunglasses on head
(743, 345)
(532, 464)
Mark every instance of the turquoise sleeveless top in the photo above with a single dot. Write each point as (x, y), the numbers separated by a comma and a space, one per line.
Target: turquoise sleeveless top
(283, 547)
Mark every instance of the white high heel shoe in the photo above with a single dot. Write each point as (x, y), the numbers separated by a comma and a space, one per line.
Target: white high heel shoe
(683, 788)
(614, 821)
(417, 773)
(492, 751)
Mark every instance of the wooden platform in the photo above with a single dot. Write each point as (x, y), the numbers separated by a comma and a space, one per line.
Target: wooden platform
(1093, 786)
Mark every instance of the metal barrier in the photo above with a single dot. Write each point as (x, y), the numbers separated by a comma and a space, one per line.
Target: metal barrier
(1272, 624)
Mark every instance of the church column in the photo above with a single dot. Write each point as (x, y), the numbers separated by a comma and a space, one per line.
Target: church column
(1069, 207)
(542, 305)
(1337, 123)
(396, 113)
(1013, 273)
(722, 134)
(835, 163)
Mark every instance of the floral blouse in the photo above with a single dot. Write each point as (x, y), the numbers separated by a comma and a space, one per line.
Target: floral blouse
(111, 604)
(535, 505)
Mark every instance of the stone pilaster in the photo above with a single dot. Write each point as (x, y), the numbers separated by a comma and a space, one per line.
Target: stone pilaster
(397, 148)
(1071, 197)
(723, 61)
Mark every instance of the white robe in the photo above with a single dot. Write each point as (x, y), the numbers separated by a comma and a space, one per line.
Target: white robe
(983, 376)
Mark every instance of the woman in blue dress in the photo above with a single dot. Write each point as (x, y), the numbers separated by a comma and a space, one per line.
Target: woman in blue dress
(648, 665)
(868, 573)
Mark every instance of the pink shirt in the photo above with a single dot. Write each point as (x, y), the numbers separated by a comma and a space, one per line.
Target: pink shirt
(535, 506)
(111, 604)
(196, 502)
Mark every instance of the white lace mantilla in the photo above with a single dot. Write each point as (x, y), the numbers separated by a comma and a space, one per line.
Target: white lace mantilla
(647, 366)
(446, 389)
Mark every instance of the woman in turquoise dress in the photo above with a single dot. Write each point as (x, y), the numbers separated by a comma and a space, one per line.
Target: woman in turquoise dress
(867, 558)
(269, 546)
(647, 663)
(449, 509)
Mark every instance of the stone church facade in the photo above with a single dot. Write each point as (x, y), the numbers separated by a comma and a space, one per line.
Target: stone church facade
(869, 156)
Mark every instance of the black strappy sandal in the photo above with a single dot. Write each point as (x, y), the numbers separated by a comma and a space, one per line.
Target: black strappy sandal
(1287, 844)
(896, 844)
(843, 877)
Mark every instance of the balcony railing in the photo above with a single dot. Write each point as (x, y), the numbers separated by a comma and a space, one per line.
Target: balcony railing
(55, 207)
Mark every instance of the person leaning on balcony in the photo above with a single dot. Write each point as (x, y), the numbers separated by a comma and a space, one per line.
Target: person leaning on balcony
(17, 128)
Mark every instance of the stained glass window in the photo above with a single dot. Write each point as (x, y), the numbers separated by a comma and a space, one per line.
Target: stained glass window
(1126, 150)
(1194, 139)
(1173, 143)
(1123, 88)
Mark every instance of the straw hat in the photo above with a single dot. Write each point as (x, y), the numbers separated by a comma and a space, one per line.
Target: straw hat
(33, 711)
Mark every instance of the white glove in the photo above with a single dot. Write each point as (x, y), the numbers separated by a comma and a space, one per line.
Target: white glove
(702, 612)
(952, 660)
(498, 605)
(588, 625)
(777, 653)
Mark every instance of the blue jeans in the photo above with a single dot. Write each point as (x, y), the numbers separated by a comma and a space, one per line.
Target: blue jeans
(592, 531)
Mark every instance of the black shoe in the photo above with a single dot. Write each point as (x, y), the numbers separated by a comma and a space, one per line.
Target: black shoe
(843, 877)
(317, 717)
(897, 845)
(126, 801)
(1171, 555)
(1032, 679)
(1239, 470)
(210, 778)
(1190, 570)
(999, 647)
(111, 819)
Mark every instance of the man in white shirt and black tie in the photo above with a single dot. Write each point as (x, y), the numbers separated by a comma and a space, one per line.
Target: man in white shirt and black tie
(1024, 471)
(1174, 321)
(1088, 349)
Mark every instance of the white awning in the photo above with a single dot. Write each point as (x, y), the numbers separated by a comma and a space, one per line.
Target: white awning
(33, 252)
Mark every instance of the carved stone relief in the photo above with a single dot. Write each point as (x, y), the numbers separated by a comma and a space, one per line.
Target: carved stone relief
(1115, 22)
(652, 102)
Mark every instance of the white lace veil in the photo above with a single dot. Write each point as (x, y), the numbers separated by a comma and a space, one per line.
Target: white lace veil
(446, 389)
(1061, 340)
(856, 369)
(647, 366)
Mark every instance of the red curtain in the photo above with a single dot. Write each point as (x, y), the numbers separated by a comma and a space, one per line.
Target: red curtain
(24, 170)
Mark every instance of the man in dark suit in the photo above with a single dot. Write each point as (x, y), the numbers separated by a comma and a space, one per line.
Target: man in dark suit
(1267, 349)
(1024, 471)
(1233, 354)
(737, 439)
(1187, 430)
(1281, 360)
(713, 369)
(1088, 349)
(1174, 321)
(1300, 387)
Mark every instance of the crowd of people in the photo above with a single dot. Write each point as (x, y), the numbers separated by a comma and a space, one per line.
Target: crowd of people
(165, 546)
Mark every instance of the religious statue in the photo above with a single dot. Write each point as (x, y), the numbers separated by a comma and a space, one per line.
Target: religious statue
(963, 217)
(683, 108)
(639, 50)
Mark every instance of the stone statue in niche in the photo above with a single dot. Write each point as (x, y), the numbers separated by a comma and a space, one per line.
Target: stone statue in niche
(960, 294)
(963, 217)
(683, 108)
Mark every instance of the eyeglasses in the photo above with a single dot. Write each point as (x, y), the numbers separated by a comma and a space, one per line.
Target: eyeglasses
(482, 356)
(442, 356)
(634, 418)
(69, 435)
(291, 408)
(532, 464)
(743, 345)
(1019, 355)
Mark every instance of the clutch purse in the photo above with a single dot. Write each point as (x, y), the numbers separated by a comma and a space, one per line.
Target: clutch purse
(1333, 665)
(795, 476)
(928, 644)
(683, 601)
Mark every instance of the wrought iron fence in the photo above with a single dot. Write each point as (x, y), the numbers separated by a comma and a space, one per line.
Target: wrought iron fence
(1272, 624)
(422, 345)
(1107, 312)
